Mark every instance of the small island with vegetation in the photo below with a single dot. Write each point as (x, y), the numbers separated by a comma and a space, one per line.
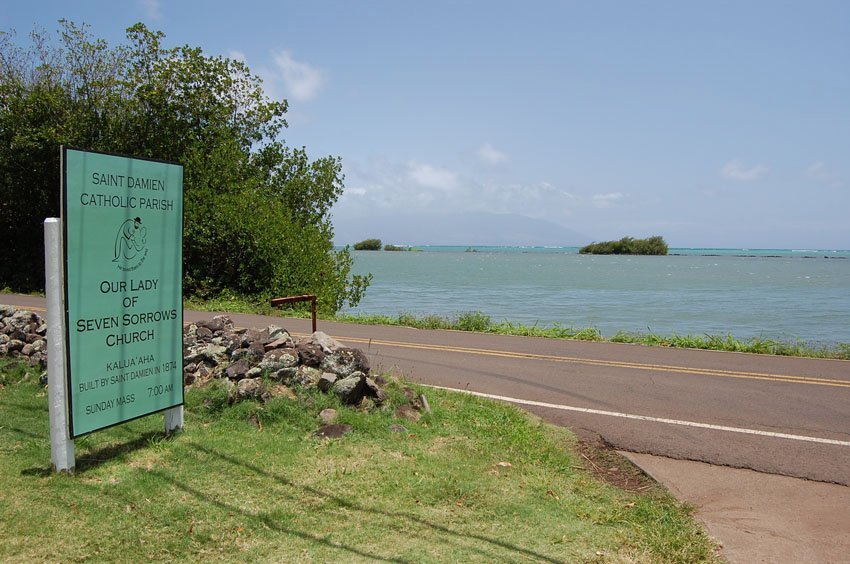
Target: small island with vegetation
(368, 245)
(628, 246)
(375, 245)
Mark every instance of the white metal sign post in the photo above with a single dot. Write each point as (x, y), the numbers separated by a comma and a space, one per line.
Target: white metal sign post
(61, 445)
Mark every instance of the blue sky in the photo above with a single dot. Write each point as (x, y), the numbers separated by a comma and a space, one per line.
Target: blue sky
(711, 123)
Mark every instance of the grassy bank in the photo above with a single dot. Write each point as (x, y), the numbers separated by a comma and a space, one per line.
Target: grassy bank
(472, 481)
(482, 323)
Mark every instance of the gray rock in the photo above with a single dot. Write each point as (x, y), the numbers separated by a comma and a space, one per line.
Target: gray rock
(374, 391)
(279, 358)
(255, 372)
(204, 333)
(396, 428)
(39, 345)
(237, 370)
(327, 380)
(344, 362)
(14, 345)
(26, 350)
(307, 376)
(276, 332)
(215, 354)
(328, 344)
(249, 388)
(285, 375)
(328, 416)
(350, 390)
(279, 343)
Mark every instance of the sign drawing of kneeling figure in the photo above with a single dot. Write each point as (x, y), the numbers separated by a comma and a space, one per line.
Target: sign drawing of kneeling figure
(130, 240)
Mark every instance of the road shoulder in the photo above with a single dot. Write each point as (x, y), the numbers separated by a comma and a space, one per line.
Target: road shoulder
(759, 517)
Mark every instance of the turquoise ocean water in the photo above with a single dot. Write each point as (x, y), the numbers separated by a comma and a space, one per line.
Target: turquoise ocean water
(772, 293)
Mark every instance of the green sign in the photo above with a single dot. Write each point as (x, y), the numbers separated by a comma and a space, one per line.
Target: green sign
(123, 238)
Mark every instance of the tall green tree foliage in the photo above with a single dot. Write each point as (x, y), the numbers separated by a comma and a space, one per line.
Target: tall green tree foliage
(257, 212)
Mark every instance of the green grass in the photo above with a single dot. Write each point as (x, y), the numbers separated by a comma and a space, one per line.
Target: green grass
(227, 489)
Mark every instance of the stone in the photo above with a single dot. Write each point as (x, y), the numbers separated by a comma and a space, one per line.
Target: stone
(328, 416)
(249, 388)
(396, 428)
(333, 431)
(38, 359)
(284, 374)
(374, 391)
(255, 372)
(276, 332)
(307, 376)
(237, 370)
(327, 380)
(215, 354)
(328, 343)
(282, 342)
(14, 345)
(344, 362)
(257, 350)
(26, 350)
(349, 390)
(310, 354)
(204, 333)
(279, 358)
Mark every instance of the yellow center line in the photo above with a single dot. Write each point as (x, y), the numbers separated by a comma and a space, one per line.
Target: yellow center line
(613, 363)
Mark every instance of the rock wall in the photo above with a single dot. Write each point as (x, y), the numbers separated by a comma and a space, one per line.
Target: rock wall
(253, 363)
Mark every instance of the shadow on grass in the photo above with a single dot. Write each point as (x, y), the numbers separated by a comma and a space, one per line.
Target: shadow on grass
(493, 551)
(92, 459)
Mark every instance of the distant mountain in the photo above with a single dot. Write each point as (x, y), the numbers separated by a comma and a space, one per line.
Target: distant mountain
(452, 228)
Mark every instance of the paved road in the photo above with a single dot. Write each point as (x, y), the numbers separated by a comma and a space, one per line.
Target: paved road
(780, 415)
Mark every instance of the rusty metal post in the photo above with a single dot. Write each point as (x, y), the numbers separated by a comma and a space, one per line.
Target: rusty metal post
(277, 302)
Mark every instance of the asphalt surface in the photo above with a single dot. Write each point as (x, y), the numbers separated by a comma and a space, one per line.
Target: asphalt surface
(778, 415)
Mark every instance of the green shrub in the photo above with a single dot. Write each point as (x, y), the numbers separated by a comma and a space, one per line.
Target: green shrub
(368, 245)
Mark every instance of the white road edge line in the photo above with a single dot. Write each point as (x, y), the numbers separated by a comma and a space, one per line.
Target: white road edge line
(651, 419)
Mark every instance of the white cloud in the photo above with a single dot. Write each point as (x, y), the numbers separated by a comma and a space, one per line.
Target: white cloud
(491, 155)
(418, 186)
(151, 8)
(429, 176)
(820, 172)
(237, 56)
(356, 191)
(735, 170)
(605, 200)
(302, 81)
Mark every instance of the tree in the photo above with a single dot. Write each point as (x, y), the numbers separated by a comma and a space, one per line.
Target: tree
(256, 212)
